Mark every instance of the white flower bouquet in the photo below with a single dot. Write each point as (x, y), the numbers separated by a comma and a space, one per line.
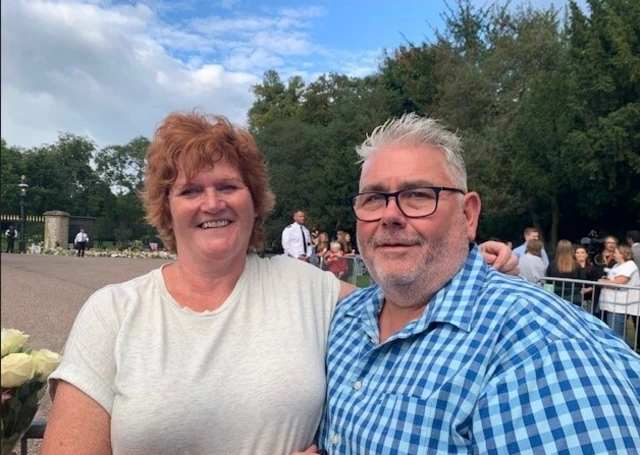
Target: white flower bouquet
(24, 379)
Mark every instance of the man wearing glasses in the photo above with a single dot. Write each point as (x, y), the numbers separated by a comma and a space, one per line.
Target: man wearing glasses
(446, 355)
(606, 258)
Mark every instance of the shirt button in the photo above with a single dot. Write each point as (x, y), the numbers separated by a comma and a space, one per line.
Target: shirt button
(335, 439)
(357, 385)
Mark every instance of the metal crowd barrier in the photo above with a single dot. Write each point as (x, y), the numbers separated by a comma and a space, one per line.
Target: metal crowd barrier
(617, 305)
(35, 431)
(355, 271)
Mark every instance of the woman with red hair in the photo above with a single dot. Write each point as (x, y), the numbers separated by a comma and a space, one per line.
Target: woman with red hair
(219, 352)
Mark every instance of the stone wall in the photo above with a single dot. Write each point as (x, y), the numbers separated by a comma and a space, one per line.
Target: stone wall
(56, 229)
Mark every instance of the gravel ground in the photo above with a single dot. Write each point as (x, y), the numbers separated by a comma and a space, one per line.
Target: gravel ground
(41, 295)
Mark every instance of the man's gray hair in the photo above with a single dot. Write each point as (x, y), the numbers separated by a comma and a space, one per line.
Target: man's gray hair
(415, 130)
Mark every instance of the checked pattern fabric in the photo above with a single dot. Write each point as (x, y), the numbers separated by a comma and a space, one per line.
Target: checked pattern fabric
(495, 365)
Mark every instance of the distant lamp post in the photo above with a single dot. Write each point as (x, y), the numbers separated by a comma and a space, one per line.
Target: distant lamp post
(23, 193)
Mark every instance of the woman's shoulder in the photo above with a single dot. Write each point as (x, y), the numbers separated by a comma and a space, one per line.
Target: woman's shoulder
(283, 272)
(135, 288)
(112, 303)
(628, 267)
(279, 264)
(577, 272)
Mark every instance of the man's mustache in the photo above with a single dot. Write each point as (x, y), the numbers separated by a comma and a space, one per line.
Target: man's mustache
(389, 239)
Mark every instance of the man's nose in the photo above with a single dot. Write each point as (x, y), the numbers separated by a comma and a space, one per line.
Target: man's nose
(392, 213)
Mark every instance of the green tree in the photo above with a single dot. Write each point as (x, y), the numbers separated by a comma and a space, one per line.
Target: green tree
(311, 155)
(274, 100)
(60, 175)
(12, 160)
(123, 166)
(605, 59)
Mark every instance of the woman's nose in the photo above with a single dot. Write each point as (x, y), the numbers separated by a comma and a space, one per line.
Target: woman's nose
(212, 201)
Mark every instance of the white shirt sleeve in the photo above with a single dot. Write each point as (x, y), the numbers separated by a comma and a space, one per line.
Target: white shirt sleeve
(286, 243)
(88, 356)
(626, 270)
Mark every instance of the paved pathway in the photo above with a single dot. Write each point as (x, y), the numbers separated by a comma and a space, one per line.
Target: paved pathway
(41, 294)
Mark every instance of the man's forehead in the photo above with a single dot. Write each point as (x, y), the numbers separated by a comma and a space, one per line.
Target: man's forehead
(404, 165)
(396, 184)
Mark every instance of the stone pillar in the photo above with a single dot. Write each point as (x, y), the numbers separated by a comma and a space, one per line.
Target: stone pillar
(56, 229)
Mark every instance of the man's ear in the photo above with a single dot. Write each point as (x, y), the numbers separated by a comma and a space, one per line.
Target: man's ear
(471, 209)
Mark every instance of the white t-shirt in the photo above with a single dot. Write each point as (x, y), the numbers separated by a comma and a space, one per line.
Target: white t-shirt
(246, 378)
(620, 300)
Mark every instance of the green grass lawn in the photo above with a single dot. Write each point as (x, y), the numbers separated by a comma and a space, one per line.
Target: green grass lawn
(362, 281)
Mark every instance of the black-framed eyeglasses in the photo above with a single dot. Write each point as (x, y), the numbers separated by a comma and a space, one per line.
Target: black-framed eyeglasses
(417, 202)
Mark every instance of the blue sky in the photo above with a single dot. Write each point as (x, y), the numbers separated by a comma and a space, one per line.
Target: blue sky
(111, 69)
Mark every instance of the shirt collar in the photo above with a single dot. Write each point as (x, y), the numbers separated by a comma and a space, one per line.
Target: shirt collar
(455, 303)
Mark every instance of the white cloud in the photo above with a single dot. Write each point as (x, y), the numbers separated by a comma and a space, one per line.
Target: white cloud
(113, 71)
(246, 58)
(283, 43)
(303, 12)
(99, 70)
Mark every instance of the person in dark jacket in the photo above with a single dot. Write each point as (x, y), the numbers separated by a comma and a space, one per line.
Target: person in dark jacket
(565, 266)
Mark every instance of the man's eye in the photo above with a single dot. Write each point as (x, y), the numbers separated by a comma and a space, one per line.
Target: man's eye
(419, 194)
(372, 198)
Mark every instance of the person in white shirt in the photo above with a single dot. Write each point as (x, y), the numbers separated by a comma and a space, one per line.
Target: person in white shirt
(633, 239)
(296, 238)
(80, 242)
(618, 302)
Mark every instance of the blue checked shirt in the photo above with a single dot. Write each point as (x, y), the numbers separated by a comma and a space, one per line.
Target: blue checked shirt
(495, 365)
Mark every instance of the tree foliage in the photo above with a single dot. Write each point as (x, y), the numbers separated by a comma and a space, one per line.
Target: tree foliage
(123, 166)
(547, 106)
(547, 103)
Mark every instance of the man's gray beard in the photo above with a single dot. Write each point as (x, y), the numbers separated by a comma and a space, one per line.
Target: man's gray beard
(415, 285)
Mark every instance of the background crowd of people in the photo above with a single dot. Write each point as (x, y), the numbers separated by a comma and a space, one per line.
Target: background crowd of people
(617, 263)
(316, 247)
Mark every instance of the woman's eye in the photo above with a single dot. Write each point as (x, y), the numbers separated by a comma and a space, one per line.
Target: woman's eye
(227, 188)
(189, 192)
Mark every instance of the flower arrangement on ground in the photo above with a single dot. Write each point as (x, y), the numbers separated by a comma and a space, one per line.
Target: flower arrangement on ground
(24, 379)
